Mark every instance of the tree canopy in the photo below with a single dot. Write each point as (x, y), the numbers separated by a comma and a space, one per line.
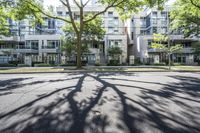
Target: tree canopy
(186, 17)
(17, 10)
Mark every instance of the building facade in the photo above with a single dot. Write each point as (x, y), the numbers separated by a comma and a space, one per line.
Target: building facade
(42, 43)
(144, 25)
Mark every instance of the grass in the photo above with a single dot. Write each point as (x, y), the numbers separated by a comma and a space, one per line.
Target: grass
(98, 69)
(31, 70)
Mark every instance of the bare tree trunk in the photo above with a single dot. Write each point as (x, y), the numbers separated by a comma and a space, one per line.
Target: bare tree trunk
(79, 65)
(79, 40)
(169, 62)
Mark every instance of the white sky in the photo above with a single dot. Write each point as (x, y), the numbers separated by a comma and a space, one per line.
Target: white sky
(57, 2)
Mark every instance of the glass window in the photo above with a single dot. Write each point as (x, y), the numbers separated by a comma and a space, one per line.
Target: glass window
(154, 29)
(154, 14)
(110, 14)
(164, 14)
(59, 13)
(110, 29)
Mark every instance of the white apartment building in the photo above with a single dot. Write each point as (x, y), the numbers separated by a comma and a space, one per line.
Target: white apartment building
(115, 33)
(144, 25)
(42, 43)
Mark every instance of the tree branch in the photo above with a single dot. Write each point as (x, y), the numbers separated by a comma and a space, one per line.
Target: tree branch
(195, 4)
(77, 3)
(48, 15)
(70, 15)
(86, 3)
(114, 4)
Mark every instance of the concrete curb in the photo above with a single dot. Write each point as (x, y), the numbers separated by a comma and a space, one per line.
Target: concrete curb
(89, 71)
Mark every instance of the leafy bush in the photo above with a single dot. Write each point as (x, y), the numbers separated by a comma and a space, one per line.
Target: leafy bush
(159, 64)
(113, 63)
(42, 65)
(23, 65)
(7, 65)
(14, 62)
(33, 63)
(70, 64)
(97, 64)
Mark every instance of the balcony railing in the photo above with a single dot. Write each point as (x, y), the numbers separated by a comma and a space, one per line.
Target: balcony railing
(27, 47)
(49, 47)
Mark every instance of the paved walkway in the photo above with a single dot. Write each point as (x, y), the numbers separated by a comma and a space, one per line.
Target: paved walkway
(100, 103)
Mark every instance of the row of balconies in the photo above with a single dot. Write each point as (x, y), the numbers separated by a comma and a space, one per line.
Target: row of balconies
(31, 50)
(185, 50)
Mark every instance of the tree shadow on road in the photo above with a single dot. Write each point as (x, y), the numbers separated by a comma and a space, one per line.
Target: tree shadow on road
(148, 112)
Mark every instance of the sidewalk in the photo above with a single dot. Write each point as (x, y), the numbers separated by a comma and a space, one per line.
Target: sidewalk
(24, 70)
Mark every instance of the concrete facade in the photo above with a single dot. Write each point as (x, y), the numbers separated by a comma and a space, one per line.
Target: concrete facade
(144, 25)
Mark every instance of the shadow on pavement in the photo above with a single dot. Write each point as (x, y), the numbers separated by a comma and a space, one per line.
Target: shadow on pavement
(151, 111)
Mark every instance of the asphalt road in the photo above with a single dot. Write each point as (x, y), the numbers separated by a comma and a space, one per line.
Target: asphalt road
(100, 103)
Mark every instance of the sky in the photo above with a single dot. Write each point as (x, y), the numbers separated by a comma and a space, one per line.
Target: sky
(57, 3)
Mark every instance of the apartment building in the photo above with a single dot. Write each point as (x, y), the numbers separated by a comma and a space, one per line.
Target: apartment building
(42, 43)
(115, 33)
(31, 44)
(144, 25)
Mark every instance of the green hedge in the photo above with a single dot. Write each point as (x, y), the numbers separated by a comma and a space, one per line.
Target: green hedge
(159, 64)
(114, 63)
(42, 65)
(23, 65)
(7, 65)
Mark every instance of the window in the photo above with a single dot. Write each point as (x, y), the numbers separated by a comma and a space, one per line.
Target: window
(142, 32)
(110, 29)
(115, 43)
(116, 31)
(59, 13)
(143, 22)
(76, 17)
(132, 35)
(53, 44)
(154, 21)
(30, 44)
(149, 43)
(163, 22)
(110, 14)
(154, 29)
(51, 24)
(164, 14)
(163, 30)
(154, 14)
(116, 21)
(110, 22)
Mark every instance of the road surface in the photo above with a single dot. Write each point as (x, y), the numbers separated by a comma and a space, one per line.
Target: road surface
(100, 103)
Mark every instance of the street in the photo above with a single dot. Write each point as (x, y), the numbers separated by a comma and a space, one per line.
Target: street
(141, 102)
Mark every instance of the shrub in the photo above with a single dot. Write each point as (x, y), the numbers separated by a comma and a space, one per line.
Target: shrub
(159, 64)
(113, 63)
(23, 65)
(14, 62)
(7, 65)
(42, 65)
(97, 64)
(70, 64)
(33, 63)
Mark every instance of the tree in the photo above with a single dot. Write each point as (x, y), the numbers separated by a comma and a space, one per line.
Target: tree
(159, 42)
(93, 33)
(17, 10)
(196, 51)
(114, 53)
(124, 7)
(186, 17)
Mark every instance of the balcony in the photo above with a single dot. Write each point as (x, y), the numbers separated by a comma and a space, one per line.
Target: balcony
(50, 49)
(26, 49)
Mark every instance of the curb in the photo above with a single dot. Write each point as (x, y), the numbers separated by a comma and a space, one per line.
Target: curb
(90, 71)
